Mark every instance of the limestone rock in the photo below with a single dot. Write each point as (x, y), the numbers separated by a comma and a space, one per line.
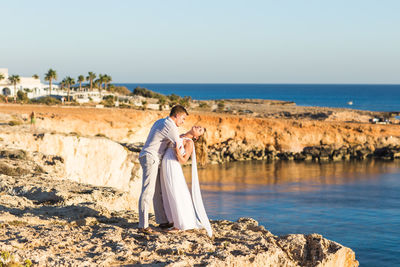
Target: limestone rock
(54, 222)
(81, 157)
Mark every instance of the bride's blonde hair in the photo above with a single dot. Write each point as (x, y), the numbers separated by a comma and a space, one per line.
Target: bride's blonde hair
(201, 148)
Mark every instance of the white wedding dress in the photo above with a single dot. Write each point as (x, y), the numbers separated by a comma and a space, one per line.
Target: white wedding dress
(183, 209)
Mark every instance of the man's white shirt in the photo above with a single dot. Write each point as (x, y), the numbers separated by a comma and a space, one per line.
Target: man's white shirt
(162, 133)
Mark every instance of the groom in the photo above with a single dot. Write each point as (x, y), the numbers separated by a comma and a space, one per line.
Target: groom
(161, 134)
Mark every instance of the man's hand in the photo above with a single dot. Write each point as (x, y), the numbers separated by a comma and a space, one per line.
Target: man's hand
(182, 159)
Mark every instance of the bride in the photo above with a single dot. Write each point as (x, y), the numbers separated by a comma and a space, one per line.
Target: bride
(184, 210)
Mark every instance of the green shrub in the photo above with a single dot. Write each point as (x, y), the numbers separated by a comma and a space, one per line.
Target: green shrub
(108, 101)
(203, 105)
(107, 97)
(6, 255)
(162, 101)
(7, 260)
(171, 99)
(2, 99)
(174, 97)
(147, 93)
(22, 97)
(221, 105)
(48, 100)
(123, 105)
(122, 90)
(185, 101)
(28, 263)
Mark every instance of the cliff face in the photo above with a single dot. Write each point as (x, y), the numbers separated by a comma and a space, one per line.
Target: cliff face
(292, 135)
(96, 161)
(70, 133)
(130, 126)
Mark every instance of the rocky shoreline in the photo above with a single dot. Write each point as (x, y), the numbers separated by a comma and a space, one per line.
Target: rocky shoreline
(233, 150)
(69, 192)
(51, 221)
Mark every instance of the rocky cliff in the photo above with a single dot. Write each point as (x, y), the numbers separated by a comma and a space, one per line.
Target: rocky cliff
(54, 222)
(284, 134)
(94, 160)
(69, 198)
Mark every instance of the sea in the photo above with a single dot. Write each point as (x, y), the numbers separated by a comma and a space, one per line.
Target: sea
(374, 97)
(355, 203)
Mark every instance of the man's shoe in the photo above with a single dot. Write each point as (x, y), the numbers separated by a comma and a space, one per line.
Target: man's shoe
(148, 231)
(164, 226)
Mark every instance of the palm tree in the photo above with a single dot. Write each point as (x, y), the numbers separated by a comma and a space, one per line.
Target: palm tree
(62, 84)
(98, 85)
(35, 76)
(107, 80)
(1, 77)
(81, 79)
(14, 79)
(99, 82)
(69, 81)
(102, 79)
(49, 76)
(91, 76)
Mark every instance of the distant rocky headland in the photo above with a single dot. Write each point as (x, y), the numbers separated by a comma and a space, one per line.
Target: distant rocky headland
(69, 189)
(309, 133)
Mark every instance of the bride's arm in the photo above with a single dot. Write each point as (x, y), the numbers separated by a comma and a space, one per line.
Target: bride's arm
(188, 148)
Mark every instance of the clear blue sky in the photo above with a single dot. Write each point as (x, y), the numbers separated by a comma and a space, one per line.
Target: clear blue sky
(291, 41)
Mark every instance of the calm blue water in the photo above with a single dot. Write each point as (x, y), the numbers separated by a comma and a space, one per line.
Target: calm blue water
(356, 204)
(364, 97)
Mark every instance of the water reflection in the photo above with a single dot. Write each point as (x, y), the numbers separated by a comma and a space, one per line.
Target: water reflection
(291, 176)
(354, 203)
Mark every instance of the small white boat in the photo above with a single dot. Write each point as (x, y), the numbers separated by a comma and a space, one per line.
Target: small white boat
(350, 103)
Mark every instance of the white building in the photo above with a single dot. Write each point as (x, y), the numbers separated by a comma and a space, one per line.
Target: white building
(32, 86)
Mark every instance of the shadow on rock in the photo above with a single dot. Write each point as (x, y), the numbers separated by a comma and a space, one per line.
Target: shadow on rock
(78, 214)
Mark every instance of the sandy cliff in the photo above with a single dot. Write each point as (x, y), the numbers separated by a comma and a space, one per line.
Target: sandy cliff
(130, 126)
(96, 161)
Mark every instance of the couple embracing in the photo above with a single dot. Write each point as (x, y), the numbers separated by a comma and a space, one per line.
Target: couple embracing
(164, 184)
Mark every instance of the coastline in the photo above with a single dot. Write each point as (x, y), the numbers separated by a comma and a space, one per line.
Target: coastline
(268, 131)
(338, 135)
(68, 139)
(303, 94)
(48, 220)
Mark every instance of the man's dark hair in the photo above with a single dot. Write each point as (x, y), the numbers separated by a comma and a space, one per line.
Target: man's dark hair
(176, 110)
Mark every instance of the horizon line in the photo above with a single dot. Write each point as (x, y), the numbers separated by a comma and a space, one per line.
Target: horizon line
(255, 83)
